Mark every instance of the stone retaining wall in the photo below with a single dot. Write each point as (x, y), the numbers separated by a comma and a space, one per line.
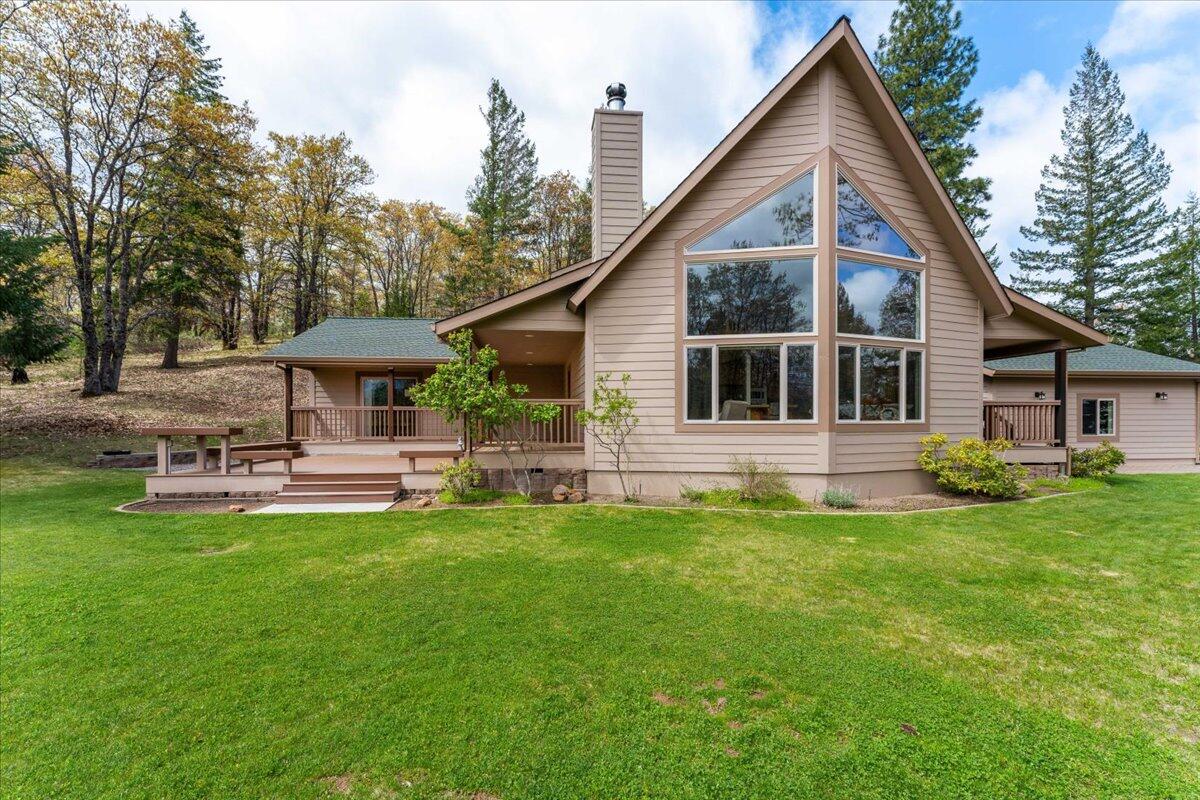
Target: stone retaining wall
(543, 482)
(179, 458)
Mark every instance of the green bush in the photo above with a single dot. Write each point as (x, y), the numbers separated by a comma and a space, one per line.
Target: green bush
(758, 480)
(458, 480)
(691, 493)
(972, 466)
(839, 497)
(1098, 462)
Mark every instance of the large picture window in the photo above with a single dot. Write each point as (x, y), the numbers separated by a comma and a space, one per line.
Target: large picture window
(880, 384)
(861, 226)
(874, 300)
(750, 297)
(785, 219)
(751, 383)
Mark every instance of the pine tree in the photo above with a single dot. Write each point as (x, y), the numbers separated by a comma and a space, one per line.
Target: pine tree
(502, 197)
(1099, 208)
(926, 66)
(204, 83)
(1168, 319)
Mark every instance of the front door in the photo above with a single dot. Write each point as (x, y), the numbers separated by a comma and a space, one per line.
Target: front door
(375, 395)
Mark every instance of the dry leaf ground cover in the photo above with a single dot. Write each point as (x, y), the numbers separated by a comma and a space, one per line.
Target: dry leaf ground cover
(212, 387)
(1042, 649)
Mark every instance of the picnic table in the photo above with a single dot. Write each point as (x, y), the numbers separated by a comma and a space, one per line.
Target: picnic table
(201, 435)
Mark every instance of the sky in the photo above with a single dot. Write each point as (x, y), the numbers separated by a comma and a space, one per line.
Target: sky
(405, 80)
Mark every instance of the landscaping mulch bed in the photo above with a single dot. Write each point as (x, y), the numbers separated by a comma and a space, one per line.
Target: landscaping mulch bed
(219, 505)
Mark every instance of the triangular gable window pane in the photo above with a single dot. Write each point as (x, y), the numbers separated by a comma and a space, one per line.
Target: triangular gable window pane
(785, 219)
(860, 226)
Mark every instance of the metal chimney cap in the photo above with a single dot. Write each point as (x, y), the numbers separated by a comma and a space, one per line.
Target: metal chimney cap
(616, 96)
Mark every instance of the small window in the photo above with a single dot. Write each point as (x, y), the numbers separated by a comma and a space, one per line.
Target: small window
(861, 226)
(785, 219)
(874, 300)
(801, 371)
(880, 384)
(1099, 417)
(741, 297)
(699, 383)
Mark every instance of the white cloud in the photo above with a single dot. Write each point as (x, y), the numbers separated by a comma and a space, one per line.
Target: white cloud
(405, 81)
(1143, 26)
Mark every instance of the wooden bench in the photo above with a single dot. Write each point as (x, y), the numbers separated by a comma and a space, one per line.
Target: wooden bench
(249, 457)
(413, 455)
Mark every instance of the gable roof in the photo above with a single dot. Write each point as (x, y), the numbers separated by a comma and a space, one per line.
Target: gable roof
(348, 338)
(1109, 358)
(841, 43)
(563, 278)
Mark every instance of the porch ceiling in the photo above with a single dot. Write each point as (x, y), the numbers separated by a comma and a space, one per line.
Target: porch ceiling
(531, 346)
(1034, 328)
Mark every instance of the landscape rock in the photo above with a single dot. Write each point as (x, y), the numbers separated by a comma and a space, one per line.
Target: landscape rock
(575, 496)
(236, 509)
(560, 493)
(423, 502)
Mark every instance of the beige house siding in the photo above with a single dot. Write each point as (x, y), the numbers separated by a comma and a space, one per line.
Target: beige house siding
(631, 315)
(1151, 432)
(953, 325)
(616, 177)
(547, 313)
(575, 375)
(334, 386)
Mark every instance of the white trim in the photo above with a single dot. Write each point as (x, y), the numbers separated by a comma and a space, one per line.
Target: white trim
(812, 305)
(783, 381)
(876, 254)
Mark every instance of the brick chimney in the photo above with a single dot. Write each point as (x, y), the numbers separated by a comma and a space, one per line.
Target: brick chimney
(616, 172)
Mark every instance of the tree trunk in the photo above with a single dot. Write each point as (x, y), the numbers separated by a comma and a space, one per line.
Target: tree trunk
(19, 376)
(170, 359)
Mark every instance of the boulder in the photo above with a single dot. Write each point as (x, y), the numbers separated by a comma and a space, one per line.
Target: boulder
(575, 496)
(423, 502)
(237, 509)
(560, 493)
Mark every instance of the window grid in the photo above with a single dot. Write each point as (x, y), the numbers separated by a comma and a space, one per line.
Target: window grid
(903, 386)
(714, 383)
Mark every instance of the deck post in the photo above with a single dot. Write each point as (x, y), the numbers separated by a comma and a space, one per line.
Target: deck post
(391, 423)
(287, 403)
(201, 453)
(1060, 394)
(164, 455)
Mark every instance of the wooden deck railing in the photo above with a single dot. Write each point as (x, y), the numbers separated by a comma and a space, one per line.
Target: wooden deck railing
(342, 423)
(1029, 422)
(562, 431)
(348, 423)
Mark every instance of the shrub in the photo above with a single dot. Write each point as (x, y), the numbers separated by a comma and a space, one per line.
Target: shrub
(758, 480)
(972, 466)
(839, 497)
(1098, 462)
(691, 493)
(458, 480)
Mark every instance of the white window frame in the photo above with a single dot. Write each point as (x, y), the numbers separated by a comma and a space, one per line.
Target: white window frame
(714, 382)
(921, 294)
(921, 259)
(755, 256)
(1112, 417)
(722, 255)
(904, 351)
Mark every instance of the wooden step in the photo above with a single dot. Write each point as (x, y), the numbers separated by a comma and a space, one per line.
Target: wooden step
(345, 477)
(341, 486)
(336, 497)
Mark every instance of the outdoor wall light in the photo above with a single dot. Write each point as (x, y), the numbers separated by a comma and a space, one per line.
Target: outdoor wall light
(1039, 395)
(1160, 395)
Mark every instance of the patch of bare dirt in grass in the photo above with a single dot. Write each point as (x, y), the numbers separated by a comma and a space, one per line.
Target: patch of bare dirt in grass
(211, 387)
(221, 551)
(339, 784)
(664, 699)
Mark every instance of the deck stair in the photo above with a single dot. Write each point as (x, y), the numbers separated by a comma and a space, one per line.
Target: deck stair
(345, 487)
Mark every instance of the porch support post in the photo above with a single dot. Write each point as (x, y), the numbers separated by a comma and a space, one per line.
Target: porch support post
(391, 422)
(1060, 394)
(287, 403)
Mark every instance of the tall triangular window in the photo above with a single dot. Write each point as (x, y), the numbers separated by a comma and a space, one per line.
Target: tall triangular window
(785, 219)
(862, 227)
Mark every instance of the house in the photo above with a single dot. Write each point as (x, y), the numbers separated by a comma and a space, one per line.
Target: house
(1146, 404)
(808, 295)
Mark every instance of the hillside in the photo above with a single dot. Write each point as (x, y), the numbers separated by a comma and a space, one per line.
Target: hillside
(212, 387)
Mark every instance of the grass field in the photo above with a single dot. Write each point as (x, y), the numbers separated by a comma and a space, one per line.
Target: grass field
(1041, 649)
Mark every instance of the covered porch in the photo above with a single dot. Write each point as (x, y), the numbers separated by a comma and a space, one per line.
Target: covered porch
(1037, 427)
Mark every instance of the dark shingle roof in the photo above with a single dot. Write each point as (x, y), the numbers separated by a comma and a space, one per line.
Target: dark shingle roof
(366, 337)
(1106, 358)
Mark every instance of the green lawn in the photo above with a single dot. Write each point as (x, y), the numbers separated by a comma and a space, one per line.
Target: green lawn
(1048, 648)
